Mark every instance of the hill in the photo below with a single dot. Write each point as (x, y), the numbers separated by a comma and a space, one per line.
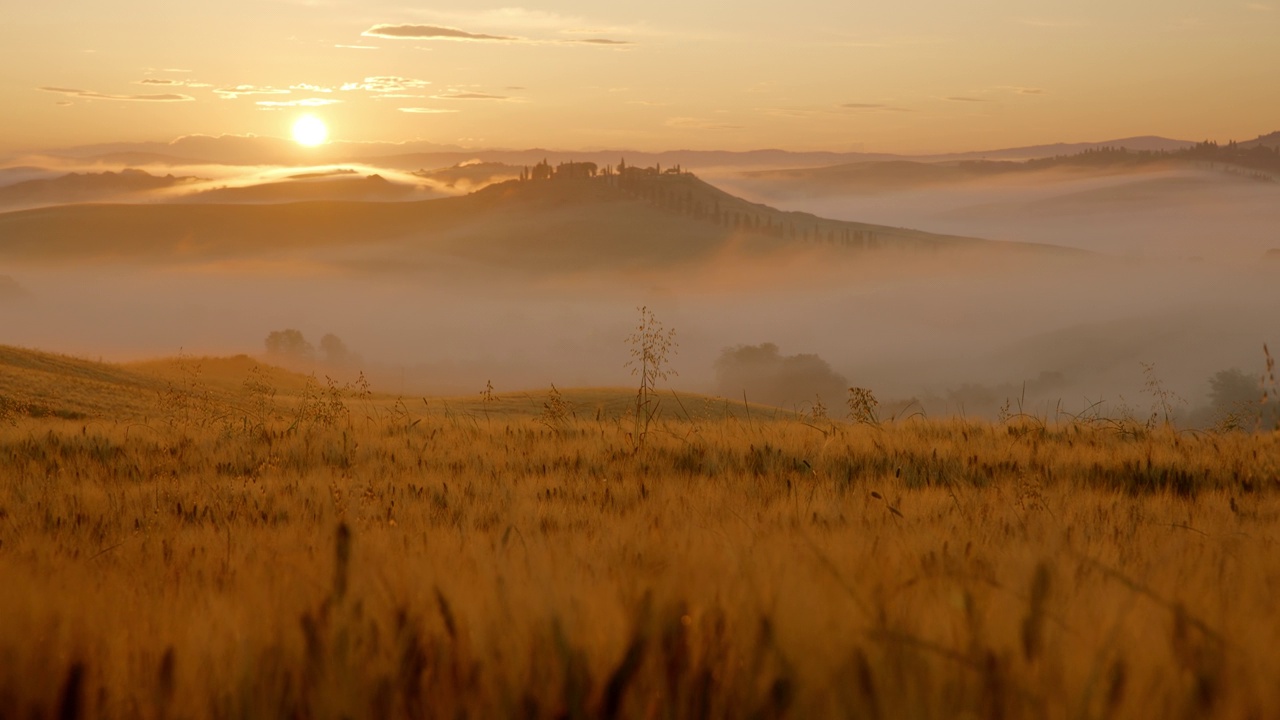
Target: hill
(50, 384)
(62, 386)
(638, 219)
(370, 188)
(249, 150)
(1255, 159)
(223, 389)
(1143, 143)
(1270, 140)
(85, 187)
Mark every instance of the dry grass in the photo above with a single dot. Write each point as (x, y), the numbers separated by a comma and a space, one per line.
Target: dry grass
(397, 560)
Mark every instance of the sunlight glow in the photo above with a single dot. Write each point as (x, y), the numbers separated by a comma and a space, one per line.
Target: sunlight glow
(310, 130)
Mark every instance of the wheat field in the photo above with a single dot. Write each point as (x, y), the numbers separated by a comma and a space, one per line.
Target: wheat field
(277, 547)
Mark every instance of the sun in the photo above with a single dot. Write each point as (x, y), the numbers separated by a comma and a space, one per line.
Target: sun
(310, 130)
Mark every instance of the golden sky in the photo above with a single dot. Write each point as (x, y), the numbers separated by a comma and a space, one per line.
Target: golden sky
(905, 76)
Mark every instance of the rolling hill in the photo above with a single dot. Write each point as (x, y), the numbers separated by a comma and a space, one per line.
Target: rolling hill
(86, 187)
(642, 219)
(41, 384)
(249, 150)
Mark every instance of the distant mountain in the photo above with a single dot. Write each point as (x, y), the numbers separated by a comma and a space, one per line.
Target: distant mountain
(23, 173)
(471, 175)
(1147, 143)
(1271, 140)
(641, 219)
(253, 150)
(869, 178)
(1258, 162)
(372, 188)
(85, 187)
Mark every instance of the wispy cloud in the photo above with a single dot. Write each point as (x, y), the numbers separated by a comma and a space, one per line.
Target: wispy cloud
(693, 123)
(965, 99)
(425, 110)
(231, 93)
(443, 32)
(386, 84)
(301, 102)
(1022, 90)
(357, 47)
(169, 82)
(873, 107)
(430, 32)
(307, 87)
(469, 96)
(91, 95)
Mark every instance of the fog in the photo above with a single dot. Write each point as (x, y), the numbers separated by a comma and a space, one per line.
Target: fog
(1158, 211)
(961, 331)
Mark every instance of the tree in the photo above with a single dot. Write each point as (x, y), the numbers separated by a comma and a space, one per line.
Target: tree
(1231, 390)
(335, 351)
(289, 344)
(768, 376)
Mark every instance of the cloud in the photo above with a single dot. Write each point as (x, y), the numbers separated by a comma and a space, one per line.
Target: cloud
(442, 32)
(874, 107)
(386, 84)
(231, 93)
(91, 95)
(167, 82)
(961, 98)
(425, 110)
(357, 47)
(1021, 90)
(307, 87)
(303, 102)
(430, 32)
(692, 123)
(469, 96)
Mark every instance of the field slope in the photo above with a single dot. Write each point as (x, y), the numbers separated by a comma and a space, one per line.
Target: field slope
(567, 225)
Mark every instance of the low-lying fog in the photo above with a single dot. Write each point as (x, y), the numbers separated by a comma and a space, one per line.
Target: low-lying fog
(1157, 211)
(1178, 282)
(934, 327)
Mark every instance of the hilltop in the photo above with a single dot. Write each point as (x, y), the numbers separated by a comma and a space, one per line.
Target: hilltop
(573, 217)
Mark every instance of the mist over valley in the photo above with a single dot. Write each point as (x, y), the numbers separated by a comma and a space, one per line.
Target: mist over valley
(960, 284)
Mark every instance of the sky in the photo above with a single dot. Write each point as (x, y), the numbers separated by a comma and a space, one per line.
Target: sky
(914, 76)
